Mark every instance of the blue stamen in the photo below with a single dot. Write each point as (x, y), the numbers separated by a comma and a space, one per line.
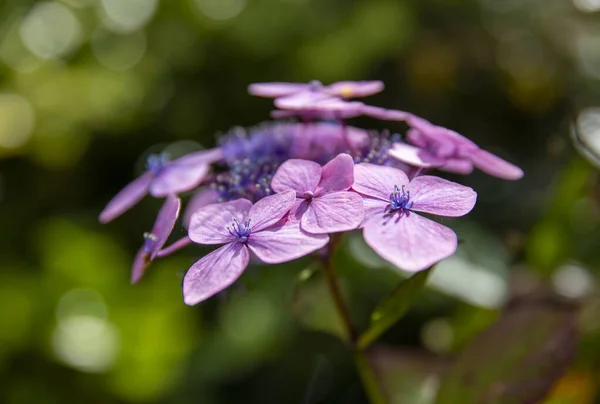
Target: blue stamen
(156, 162)
(241, 231)
(400, 199)
(149, 240)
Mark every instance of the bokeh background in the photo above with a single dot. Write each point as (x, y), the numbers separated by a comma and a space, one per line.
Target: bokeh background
(88, 88)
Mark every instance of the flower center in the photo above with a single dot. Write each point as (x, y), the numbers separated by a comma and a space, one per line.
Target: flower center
(241, 231)
(156, 162)
(149, 240)
(400, 199)
(308, 195)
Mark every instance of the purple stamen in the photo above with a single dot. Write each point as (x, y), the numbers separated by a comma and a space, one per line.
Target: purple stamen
(156, 162)
(400, 199)
(241, 231)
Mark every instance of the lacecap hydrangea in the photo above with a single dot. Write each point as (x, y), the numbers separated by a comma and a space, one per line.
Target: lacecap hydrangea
(279, 190)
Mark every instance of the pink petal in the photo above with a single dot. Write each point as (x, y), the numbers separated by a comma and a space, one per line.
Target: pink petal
(274, 90)
(297, 175)
(270, 210)
(209, 224)
(203, 197)
(385, 114)
(334, 212)
(373, 208)
(354, 89)
(214, 272)
(126, 198)
(414, 156)
(284, 242)
(457, 166)
(301, 101)
(176, 246)
(438, 196)
(208, 156)
(411, 242)
(176, 178)
(494, 165)
(377, 181)
(337, 175)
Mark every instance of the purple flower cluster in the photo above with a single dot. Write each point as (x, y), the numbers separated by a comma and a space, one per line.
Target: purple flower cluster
(276, 191)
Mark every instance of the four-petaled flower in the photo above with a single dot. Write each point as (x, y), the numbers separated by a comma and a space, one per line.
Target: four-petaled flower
(156, 238)
(393, 228)
(438, 147)
(323, 202)
(261, 228)
(161, 179)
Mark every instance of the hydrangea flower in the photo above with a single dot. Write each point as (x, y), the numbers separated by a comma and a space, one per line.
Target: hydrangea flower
(323, 202)
(430, 145)
(261, 228)
(344, 89)
(156, 238)
(161, 179)
(393, 228)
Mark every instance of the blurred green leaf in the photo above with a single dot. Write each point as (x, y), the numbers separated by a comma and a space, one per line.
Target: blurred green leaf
(517, 360)
(393, 307)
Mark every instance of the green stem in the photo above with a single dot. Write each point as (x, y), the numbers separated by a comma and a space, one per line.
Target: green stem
(367, 375)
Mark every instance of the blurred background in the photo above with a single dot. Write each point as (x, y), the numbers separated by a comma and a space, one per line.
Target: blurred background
(88, 88)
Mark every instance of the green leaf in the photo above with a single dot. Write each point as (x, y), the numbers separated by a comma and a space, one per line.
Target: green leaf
(393, 307)
(516, 360)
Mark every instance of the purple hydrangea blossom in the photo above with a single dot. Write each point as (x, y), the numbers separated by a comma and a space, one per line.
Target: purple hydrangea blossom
(156, 238)
(393, 228)
(262, 229)
(344, 89)
(323, 202)
(161, 179)
(437, 147)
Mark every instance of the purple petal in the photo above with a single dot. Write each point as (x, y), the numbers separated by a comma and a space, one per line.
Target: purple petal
(209, 224)
(271, 209)
(414, 156)
(201, 198)
(354, 89)
(438, 133)
(165, 221)
(337, 175)
(176, 246)
(274, 90)
(284, 242)
(458, 166)
(494, 165)
(209, 156)
(377, 181)
(438, 196)
(214, 272)
(176, 178)
(385, 114)
(297, 175)
(373, 208)
(334, 212)
(140, 263)
(126, 198)
(412, 242)
(302, 101)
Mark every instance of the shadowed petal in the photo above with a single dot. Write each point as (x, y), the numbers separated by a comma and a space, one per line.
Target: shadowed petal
(377, 181)
(176, 246)
(337, 175)
(209, 224)
(201, 198)
(141, 262)
(271, 209)
(494, 165)
(176, 178)
(331, 213)
(441, 197)
(275, 89)
(412, 242)
(458, 166)
(126, 198)
(284, 242)
(214, 272)
(354, 89)
(414, 156)
(297, 175)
